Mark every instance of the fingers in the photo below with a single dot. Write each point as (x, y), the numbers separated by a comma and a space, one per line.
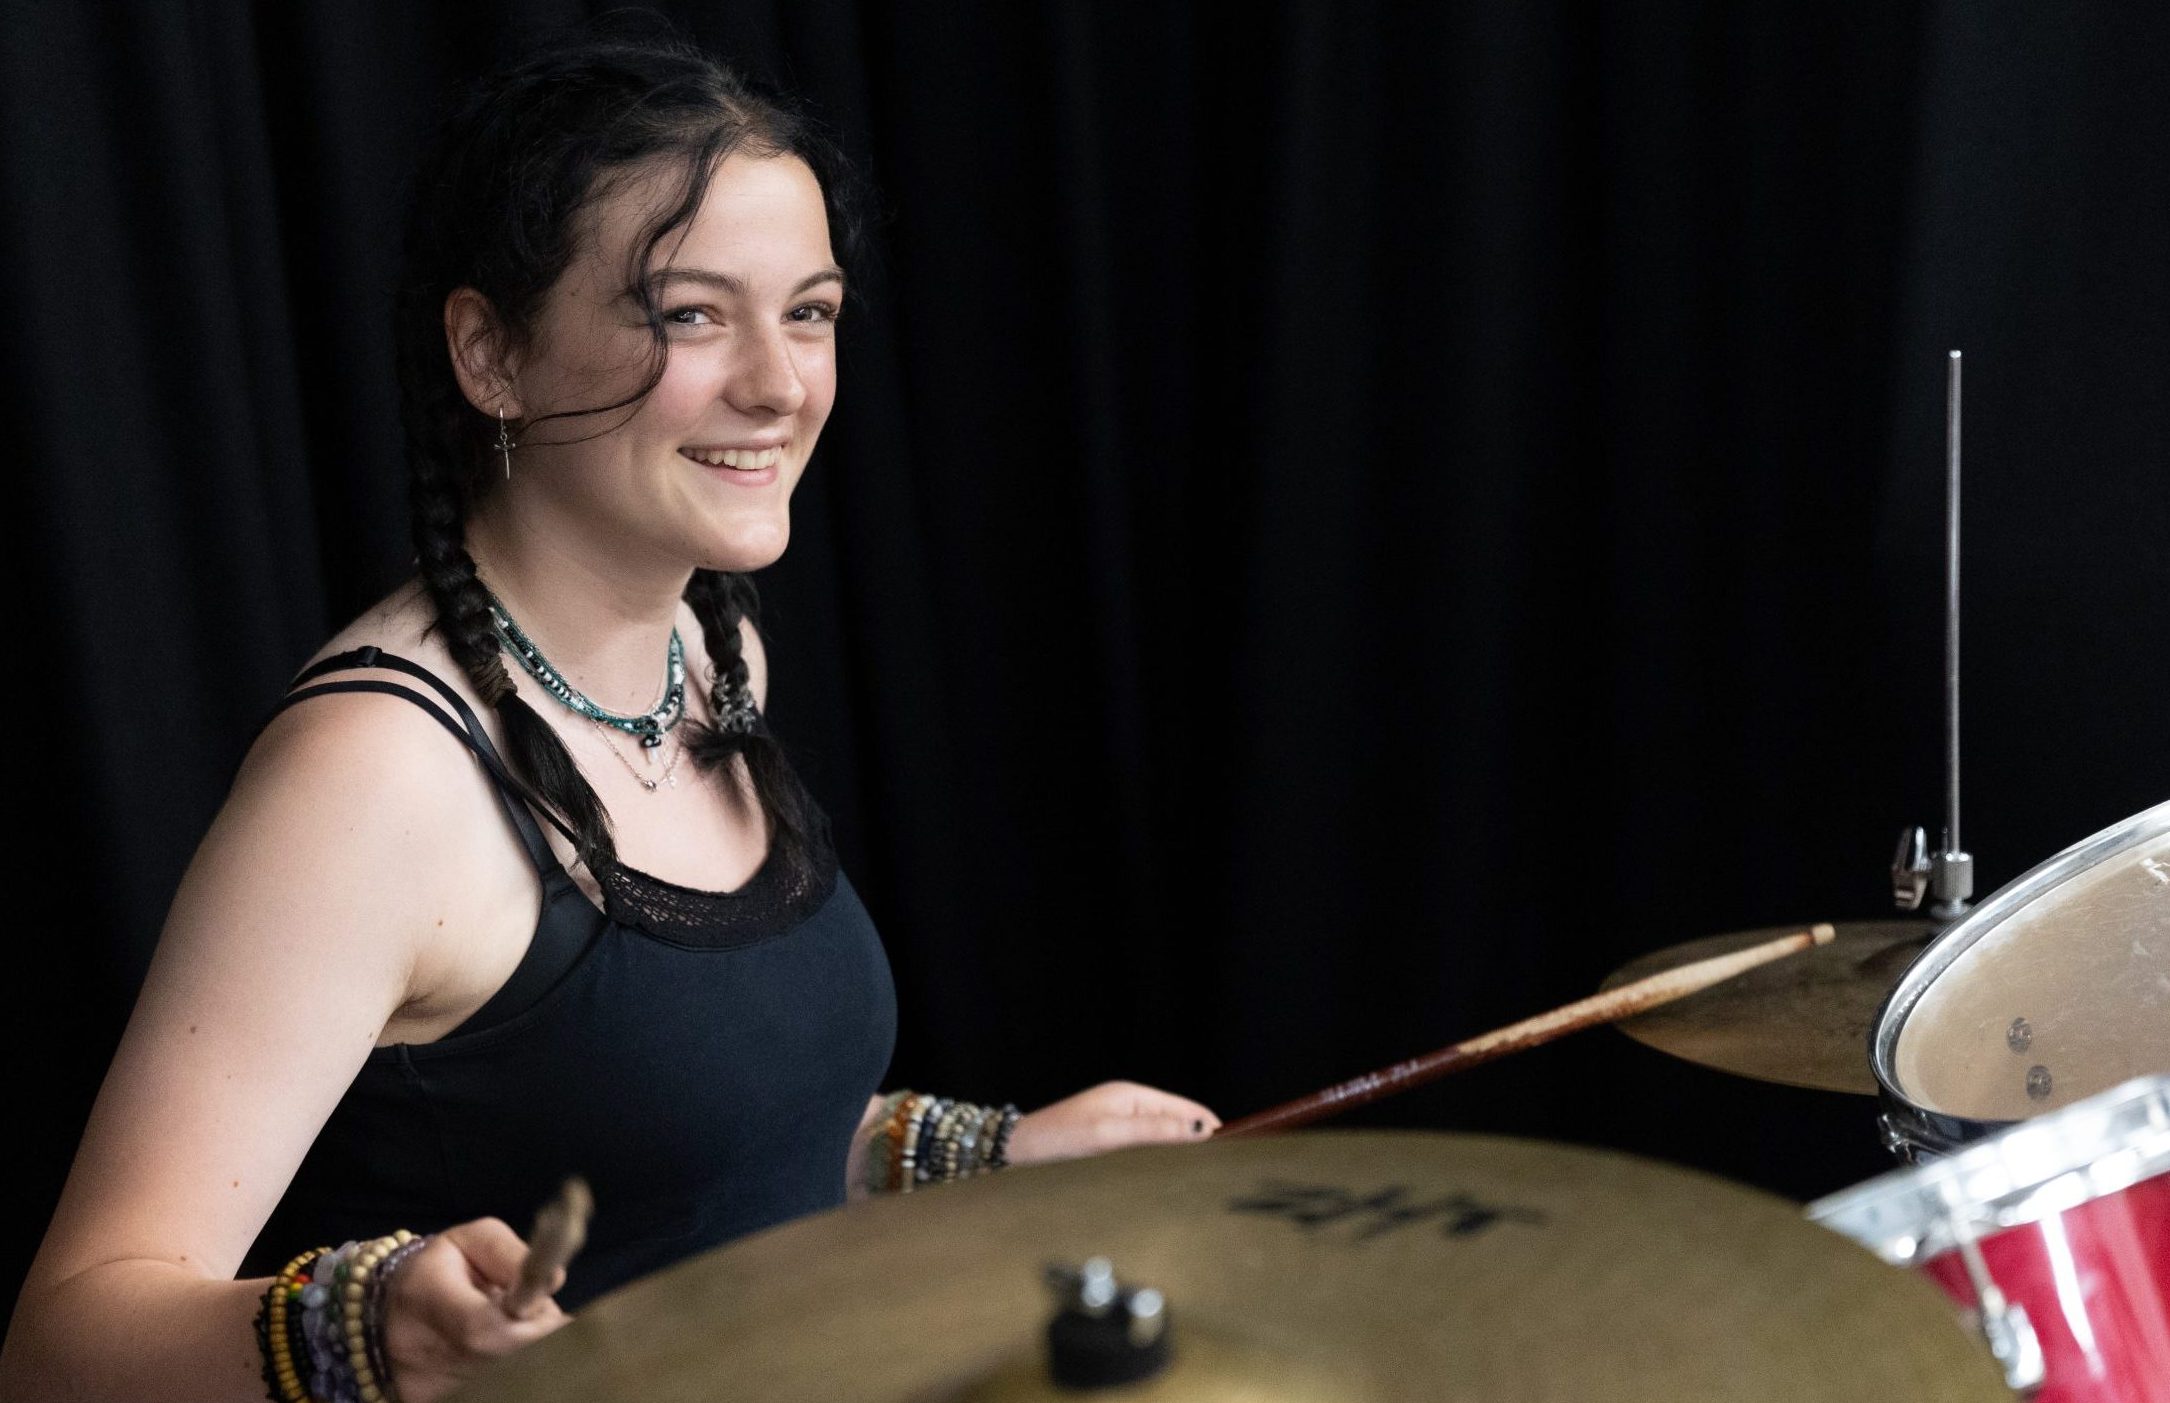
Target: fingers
(492, 1248)
(443, 1315)
(1119, 1131)
(484, 1329)
(1183, 1108)
(1139, 1100)
(459, 1282)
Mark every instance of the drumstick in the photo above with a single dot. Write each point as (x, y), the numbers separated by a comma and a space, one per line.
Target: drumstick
(1609, 1007)
(560, 1228)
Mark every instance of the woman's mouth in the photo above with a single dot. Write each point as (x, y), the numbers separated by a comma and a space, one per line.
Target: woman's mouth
(743, 459)
(741, 467)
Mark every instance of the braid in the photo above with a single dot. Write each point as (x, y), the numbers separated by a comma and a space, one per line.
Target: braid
(533, 751)
(721, 600)
(448, 572)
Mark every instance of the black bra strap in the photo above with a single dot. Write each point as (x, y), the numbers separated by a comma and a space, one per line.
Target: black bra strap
(372, 656)
(510, 791)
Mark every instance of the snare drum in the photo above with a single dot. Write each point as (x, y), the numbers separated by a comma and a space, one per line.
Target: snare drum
(2053, 990)
(2054, 1234)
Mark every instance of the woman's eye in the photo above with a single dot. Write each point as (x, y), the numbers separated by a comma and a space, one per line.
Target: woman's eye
(681, 317)
(815, 313)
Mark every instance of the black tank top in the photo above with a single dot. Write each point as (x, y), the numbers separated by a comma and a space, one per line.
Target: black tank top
(703, 1058)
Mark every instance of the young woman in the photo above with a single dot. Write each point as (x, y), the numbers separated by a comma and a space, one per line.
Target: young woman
(516, 883)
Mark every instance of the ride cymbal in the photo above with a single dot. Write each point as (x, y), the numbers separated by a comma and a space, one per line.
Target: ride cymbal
(1802, 1021)
(1389, 1265)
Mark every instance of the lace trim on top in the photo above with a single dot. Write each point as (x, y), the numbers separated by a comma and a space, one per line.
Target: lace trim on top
(780, 894)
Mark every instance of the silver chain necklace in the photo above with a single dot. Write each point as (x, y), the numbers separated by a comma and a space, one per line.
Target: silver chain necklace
(670, 772)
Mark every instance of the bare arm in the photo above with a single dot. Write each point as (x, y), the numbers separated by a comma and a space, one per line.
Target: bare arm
(292, 940)
(855, 1163)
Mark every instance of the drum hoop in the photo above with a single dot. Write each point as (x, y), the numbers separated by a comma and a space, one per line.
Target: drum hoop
(2008, 900)
(2031, 1170)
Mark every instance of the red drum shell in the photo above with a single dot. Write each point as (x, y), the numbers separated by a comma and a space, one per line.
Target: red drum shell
(2095, 1281)
(2070, 1212)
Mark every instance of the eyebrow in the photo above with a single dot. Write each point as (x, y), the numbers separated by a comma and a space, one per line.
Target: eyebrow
(664, 277)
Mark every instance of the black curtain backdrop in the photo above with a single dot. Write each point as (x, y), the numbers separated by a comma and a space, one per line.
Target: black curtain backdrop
(1344, 523)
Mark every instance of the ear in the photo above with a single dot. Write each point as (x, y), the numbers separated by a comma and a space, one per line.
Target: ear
(476, 341)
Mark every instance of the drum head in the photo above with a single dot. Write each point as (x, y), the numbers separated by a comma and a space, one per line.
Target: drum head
(2055, 989)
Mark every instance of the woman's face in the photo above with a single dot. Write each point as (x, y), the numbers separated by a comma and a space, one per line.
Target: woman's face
(701, 475)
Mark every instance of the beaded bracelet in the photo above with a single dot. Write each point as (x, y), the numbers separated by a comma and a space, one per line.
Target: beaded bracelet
(949, 1144)
(999, 1158)
(374, 1299)
(938, 1165)
(282, 1383)
(915, 1118)
(921, 1139)
(923, 1153)
(321, 1323)
(882, 1145)
(354, 1279)
(331, 1378)
(297, 1324)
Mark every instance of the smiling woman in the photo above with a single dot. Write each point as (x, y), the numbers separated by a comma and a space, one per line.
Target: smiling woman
(682, 323)
(465, 927)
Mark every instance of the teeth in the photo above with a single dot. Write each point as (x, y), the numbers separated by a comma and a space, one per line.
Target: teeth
(746, 459)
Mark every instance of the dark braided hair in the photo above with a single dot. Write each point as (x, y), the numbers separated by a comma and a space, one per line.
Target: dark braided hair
(496, 208)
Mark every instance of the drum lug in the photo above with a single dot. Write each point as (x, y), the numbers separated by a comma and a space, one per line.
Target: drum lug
(2004, 1325)
(1896, 1141)
(1910, 870)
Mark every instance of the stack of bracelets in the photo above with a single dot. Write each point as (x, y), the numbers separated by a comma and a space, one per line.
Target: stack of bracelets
(321, 1325)
(925, 1139)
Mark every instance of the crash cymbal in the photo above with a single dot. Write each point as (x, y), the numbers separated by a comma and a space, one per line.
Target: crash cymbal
(1394, 1265)
(1802, 1021)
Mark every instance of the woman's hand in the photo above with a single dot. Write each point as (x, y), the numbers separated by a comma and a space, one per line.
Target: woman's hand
(1108, 1117)
(443, 1317)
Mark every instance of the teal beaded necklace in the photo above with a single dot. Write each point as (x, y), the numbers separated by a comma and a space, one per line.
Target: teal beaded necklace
(648, 728)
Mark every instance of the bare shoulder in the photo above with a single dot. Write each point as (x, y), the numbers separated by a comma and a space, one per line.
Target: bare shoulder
(373, 778)
(393, 748)
(345, 789)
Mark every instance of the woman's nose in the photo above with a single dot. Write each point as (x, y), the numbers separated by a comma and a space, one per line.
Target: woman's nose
(765, 377)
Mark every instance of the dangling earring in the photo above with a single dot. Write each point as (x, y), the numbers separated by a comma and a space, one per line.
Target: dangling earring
(504, 442)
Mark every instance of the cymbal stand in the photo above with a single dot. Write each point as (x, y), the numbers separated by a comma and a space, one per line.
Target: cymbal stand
(1947, 874)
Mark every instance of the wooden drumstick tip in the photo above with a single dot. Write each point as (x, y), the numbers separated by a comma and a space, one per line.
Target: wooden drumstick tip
(1823, 932)
(561, 1230)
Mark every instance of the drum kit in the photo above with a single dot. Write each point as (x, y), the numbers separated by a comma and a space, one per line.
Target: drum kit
(2019, 1052)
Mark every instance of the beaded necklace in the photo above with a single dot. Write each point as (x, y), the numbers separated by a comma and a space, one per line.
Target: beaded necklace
(648, 728)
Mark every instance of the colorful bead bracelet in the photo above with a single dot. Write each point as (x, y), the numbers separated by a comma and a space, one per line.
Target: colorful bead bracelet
(321, 1324)
(921, 1139)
